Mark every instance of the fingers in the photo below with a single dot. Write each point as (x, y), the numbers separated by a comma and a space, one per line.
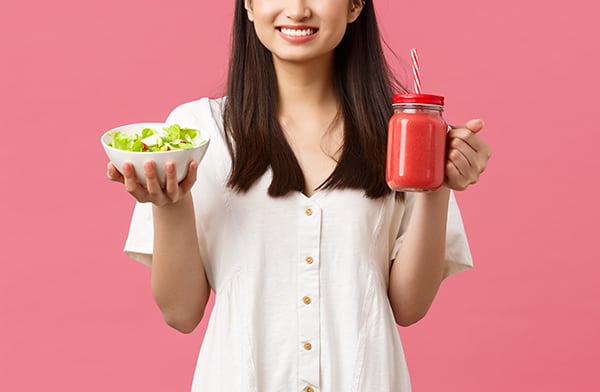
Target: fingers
(475, 125)
(155, 191)
(173, 192)
(454, 178)
(171, 188)
(468, 136)
(113, 174)
(464, 154)
(152, 191)
(461, 162)
(467, 155)
(132, 185)
(468, 133)
(460, 170)
(190, 179)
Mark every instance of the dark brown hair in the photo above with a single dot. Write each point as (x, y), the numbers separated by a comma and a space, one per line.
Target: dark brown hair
(363, 84)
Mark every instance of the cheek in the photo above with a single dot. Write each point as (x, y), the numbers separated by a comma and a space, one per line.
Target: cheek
(337, 31)
(265, 35)
(263, 25)
(333, 10)
(335, 19)
(265, 11)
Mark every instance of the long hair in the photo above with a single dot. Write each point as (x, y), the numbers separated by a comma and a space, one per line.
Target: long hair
(363, 85)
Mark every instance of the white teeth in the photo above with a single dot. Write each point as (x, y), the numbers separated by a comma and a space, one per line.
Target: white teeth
(296, 32)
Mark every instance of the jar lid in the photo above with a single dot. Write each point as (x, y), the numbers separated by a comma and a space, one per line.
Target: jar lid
(427, 99)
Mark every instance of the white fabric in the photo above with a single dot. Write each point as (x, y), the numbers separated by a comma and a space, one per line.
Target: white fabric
(255, 248)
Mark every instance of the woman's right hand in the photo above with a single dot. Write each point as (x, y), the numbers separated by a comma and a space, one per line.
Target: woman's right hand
(152, 192)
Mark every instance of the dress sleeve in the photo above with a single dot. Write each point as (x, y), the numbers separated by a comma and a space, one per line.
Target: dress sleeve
(458, 254)
(140, 239)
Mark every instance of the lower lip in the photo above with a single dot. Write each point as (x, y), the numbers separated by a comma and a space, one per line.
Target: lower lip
(298, 38)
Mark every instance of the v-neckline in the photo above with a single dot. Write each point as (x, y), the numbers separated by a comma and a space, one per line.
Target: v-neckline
(312, 198)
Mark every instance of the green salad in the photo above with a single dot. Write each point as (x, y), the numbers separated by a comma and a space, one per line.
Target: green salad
(150, 140)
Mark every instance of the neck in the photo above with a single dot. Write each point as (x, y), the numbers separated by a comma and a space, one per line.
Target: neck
(305, 87)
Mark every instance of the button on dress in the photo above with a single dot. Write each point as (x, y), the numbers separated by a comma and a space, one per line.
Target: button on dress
(300, 282)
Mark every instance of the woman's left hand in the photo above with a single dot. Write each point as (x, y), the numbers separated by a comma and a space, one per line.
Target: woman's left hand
(466, 155)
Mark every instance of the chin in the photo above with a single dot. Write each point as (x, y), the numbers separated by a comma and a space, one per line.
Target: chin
(299, 58)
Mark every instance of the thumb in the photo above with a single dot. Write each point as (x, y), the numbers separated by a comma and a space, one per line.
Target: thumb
(475, 125)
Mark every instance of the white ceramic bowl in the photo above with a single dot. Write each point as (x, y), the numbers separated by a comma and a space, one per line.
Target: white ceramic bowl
(181, 158)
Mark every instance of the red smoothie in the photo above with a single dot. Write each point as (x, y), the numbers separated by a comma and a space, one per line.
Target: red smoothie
(416, 151)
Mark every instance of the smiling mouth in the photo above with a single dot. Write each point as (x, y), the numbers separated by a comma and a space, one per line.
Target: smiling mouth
(304, 32)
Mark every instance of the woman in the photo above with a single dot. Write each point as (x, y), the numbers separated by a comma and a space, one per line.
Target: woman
(313, 259)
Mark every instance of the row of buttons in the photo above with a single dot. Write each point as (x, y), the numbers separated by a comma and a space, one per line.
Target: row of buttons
(307, 300)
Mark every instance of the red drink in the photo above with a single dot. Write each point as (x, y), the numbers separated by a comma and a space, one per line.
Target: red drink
(416, 150)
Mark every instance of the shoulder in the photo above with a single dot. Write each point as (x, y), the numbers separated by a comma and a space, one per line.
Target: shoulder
(204, 112)
(206, 115)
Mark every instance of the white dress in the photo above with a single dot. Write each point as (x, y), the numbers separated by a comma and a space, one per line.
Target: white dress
(301, 282)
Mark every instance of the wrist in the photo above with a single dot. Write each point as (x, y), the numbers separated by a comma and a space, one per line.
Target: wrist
(440, 194)
(182, 204)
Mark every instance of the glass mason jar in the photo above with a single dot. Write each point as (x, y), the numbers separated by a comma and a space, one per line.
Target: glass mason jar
(416, 150)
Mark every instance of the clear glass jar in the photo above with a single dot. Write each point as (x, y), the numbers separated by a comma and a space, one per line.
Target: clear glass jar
(416, 150)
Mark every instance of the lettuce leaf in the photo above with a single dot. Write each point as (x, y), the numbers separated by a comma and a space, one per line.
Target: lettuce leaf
(170, 138)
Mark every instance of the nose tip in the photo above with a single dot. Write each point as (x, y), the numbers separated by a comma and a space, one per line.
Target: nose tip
(297, 10)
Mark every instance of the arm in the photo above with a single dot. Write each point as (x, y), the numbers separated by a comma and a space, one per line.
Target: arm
(179, 284)
(418, 269)
(419, 266)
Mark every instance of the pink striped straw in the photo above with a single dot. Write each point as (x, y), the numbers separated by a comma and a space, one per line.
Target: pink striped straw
(415, 69)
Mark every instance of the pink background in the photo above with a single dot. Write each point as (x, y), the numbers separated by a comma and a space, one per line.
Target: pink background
(77, 315)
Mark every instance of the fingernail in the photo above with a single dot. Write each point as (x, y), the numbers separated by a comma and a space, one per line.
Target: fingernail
(148, 166)
(169, 167)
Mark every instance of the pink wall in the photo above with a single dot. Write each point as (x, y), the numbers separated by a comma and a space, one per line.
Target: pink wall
(77, 315)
